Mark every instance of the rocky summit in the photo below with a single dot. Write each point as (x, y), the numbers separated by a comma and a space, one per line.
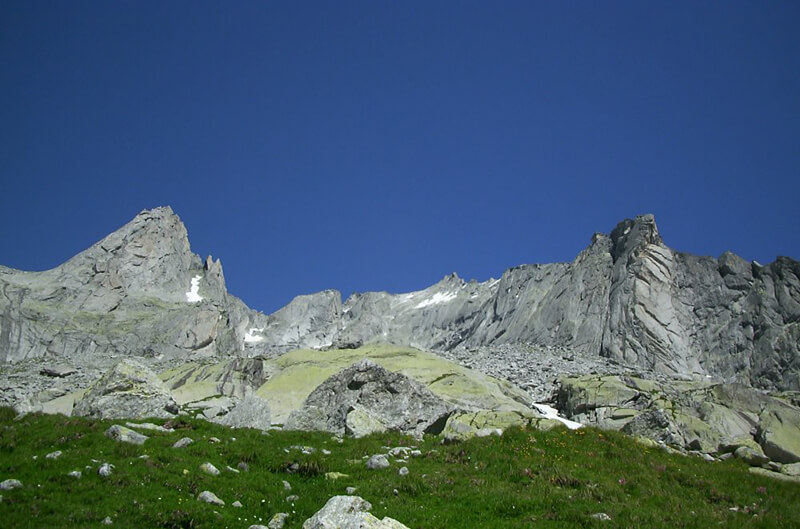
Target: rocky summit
(629, 335)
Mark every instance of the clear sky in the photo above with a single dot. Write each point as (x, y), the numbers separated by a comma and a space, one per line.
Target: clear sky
(380, 145)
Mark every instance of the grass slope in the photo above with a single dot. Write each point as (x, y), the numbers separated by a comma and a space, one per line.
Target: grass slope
(525, 478)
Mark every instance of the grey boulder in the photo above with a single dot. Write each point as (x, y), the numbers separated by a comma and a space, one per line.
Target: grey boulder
(388, 401)
(10, 484)
(125, 435)
(209, 497)
(129, 390)
(377, 461)
(250, 412)
(349, 512)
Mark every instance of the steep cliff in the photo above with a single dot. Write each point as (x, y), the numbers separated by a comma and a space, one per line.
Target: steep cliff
(627, 297)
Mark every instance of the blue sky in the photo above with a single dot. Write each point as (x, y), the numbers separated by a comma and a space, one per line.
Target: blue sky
(380, 145)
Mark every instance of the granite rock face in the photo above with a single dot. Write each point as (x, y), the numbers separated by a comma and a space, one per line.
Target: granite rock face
(365, 398)
(627, 298)
(138, 292)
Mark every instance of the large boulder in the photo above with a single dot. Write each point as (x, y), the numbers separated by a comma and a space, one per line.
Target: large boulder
(250, 412)
(462, 425)
(779, 432)
(349, 512)
(129, 390)
(364, 398)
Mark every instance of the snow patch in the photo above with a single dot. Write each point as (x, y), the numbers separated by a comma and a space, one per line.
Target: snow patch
(551, 413)
(193, 296)
(437, 298)
(251, 337)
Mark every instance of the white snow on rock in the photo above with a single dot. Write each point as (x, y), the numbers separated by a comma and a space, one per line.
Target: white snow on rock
(251, 336)
(551, 413)
(193, 296)
(436, 299)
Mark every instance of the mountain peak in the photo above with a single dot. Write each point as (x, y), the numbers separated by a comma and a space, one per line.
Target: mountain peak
(634, 233)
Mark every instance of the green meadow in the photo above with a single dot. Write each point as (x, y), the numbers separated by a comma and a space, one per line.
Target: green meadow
(526, 478)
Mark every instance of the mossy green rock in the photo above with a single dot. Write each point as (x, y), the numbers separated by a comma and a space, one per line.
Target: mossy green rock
(463, 425)
(779, 432)
(297, 373)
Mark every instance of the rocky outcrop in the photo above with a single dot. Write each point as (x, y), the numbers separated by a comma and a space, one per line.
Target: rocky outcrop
(365, 398)
(708, 417)
(128, 391)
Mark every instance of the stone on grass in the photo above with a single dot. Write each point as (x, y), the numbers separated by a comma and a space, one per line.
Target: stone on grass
(349, 512)
(107, 520)
(185, 441)
(403, 471)
(105, 469)
(377, 461)
(351, 490)
(237, 503)
(209, 497)
(277, 521)
(292, 497)
(125, 435)
(603, 517)
(242, 466)
(75, 474)
(287, 486)
(10, 484)
(147, 426)
(210, 469)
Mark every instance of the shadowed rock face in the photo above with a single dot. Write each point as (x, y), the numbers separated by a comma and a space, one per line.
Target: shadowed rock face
(627, 297)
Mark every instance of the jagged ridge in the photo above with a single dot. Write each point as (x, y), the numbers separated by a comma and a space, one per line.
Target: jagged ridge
(626, 297)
